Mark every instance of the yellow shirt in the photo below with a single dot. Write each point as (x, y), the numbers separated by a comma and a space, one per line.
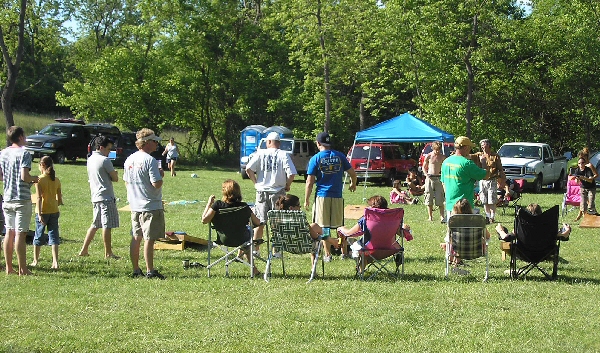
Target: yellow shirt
(49, 190)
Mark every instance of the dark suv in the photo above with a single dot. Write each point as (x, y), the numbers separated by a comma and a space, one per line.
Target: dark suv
(382, 161)
(61, 141)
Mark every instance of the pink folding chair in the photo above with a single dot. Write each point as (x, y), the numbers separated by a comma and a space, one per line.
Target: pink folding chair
(572, 196)
(386, 242)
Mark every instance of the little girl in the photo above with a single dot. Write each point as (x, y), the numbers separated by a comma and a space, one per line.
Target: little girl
(400, 196)
(49, 197)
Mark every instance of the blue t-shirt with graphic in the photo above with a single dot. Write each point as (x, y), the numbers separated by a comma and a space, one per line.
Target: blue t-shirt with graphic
(328, 167)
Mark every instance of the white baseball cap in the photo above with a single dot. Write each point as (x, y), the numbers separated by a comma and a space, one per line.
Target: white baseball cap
(273, 136)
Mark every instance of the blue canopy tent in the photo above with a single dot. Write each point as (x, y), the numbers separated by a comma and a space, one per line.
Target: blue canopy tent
(403, 128)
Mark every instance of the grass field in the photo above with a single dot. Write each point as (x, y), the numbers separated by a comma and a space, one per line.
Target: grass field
(91, 304)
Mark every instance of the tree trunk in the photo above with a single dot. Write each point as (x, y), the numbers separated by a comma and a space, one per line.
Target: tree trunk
(470, 77)
(12, 66)
(326, 85)
(362, 117)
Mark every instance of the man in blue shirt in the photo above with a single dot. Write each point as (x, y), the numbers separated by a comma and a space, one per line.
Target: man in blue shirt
(327, 168)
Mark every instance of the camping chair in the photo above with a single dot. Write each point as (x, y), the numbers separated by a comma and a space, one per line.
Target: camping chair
(228, 241)
(290, 233)
(572, 196)
(513, 201)
(386, 243)
(535, 241)
(467, 239)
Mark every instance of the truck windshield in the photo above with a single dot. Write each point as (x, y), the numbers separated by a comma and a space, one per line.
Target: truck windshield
(515, 151)
(364, 152)
(56, 130)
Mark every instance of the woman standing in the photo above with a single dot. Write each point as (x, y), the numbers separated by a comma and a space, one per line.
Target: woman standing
(172, 152)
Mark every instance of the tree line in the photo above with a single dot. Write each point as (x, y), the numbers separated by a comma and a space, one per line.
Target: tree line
(481, 68)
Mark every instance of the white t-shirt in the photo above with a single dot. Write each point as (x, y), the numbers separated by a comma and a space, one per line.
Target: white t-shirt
(99, 168)
(172, 151)
(272, 167)
(139, 172)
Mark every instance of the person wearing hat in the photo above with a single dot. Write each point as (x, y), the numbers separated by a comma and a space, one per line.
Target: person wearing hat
(459, 174)
(326, 169)
(495, 177)
(272, 172)
(144, 179)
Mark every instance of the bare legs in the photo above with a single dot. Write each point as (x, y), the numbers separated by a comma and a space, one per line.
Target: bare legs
(36, 256)
(172, 167)
(12, 241)
(107, 238)
(134, 253)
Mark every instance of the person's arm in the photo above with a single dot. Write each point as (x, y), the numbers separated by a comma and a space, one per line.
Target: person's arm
(255, 221)
(28, 178)
(426, 163)
(501, 175)
(59, 196)
(38, 204)
(251, 175)
(208, 213)
(310, 181)
(114, 176)
(353, 179)
(289, 181)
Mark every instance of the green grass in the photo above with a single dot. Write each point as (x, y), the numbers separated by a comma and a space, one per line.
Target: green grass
(90, 304)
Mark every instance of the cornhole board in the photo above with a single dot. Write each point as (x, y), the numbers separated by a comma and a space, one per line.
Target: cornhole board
(505, 247)
(179, 242)
(590, 221)
(354, 211)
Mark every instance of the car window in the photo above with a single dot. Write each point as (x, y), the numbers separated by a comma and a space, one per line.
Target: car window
(364, 152)
(397, 152)
(387, 152)
(55, 130)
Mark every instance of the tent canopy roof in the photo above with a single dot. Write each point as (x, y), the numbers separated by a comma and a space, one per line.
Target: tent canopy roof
(403, 128)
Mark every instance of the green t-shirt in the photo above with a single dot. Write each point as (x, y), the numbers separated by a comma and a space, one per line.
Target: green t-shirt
(459, 175)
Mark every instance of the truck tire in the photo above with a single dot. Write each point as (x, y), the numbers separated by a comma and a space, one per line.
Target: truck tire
(59, 157)
(537, 186)
(560, 184)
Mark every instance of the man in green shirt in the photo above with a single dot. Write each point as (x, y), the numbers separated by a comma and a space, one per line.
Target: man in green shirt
(459, 174)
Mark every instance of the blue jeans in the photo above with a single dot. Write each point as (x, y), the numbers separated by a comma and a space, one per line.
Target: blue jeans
(51, 220)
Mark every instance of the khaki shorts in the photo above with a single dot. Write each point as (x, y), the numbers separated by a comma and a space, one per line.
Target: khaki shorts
(488, 191)
(265, 201)
(17, 215)
(151, 224)
(328, 212)
(434, 189)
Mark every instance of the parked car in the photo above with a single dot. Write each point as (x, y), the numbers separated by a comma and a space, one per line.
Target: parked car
(61, 141)
(380, 161)
(448, 149)
(300, 150)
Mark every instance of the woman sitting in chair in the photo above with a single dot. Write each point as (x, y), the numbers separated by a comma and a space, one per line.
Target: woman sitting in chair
(373, 202)
(292, 203)
(232, 198)
(535, 210)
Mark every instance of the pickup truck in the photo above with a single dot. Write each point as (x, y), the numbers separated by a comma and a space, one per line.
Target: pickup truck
(61, 141)
(535, 163)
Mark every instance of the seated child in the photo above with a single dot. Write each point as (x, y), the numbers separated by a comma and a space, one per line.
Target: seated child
(462, 206)
(415, 183)
(534, 209)
(373, 202)
(292, 202)
(399, 196)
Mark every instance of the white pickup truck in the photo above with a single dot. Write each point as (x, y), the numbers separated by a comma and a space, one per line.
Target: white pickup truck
(535, 163)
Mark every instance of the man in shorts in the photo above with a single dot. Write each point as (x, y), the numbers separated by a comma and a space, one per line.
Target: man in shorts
(15, 164)
(327, 168)
(432, 166)
(144, 179)
(494, 178)
(101, 175)
(272, 172)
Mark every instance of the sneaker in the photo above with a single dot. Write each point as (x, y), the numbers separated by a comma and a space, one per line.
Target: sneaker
(137, 273)
(327, 258)
(256, 253)
(154, 274)
(460, 271)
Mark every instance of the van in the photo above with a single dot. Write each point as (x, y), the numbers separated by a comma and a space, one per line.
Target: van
(380, 161)
(300, 150)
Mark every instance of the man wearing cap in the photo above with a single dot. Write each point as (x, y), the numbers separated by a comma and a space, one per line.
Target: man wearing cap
(327, 168)
(488, 187)
(459, 174)
(101, 175)
(144, 179)
(272, 172)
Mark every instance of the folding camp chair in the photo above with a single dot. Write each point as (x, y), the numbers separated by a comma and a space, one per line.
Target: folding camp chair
(290, 233)
(572, 196)
(231, 242)
(512, 201)
(536, 240)
(467, 239)
(385, 242)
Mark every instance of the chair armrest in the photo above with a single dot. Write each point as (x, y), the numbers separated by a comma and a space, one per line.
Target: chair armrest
(355, 235)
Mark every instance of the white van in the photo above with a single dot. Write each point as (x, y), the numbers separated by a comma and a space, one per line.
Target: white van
(301, 151)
